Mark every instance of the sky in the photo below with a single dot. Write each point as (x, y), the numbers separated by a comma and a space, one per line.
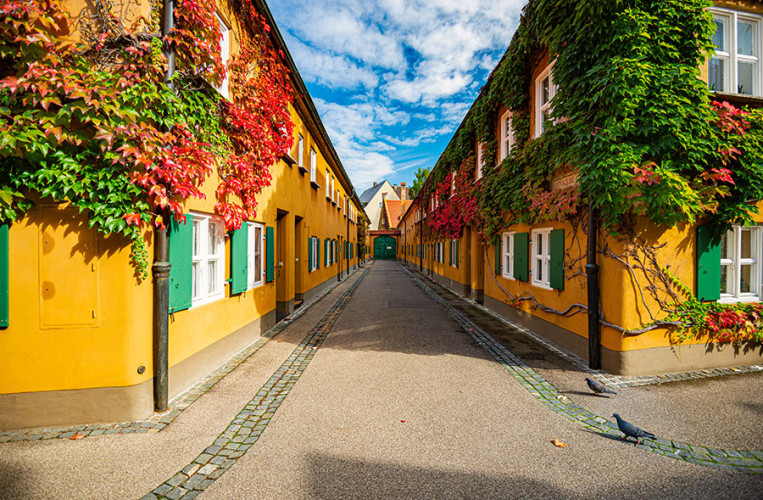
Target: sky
(392, 79)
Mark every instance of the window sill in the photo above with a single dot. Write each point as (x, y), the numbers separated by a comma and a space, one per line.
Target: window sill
(207, 300)
(252, 286)
(288, 159)
(739, 300)
(543, 286)
(507, 277)
(303, 169)
(737, 98)
(315, 185)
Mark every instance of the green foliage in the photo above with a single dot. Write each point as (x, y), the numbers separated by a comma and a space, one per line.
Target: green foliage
(418, 181)
(631, 113)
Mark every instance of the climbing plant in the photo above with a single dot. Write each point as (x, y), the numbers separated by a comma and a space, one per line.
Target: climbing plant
(631, 117)
(86, 117)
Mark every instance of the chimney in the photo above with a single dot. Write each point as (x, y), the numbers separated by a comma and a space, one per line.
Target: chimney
(384, 195)
(374, 184)
(403, 191)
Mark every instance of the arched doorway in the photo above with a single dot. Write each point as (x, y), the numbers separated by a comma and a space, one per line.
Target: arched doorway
(384, 247)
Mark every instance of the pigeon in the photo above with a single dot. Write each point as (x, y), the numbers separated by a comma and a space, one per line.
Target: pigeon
(629, 429)
(598, 387)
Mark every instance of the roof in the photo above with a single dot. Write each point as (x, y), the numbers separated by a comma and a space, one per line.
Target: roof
(393, 210)
(369, 193)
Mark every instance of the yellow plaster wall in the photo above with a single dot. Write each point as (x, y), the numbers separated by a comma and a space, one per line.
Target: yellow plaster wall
(107, 351)
(103, 352)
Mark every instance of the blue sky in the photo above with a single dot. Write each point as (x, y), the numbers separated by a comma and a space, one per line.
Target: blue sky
(392, 79)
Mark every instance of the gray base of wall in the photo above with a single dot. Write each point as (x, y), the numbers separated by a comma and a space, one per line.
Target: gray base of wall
(653, 361)
(286, 306)
(121, 404)
(450, 283)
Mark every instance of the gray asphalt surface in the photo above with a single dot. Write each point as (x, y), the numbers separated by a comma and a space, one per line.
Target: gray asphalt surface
(398, 403)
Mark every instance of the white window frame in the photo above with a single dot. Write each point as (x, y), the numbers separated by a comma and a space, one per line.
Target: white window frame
(328, 184)
(333, 192)
(224, 55)
(453, 256)
(480, 159)
(254, 256)
(545, 108)
(203, 288)
(507, 255)
(507, 135)
(733, 240)
(300, 151)
(452, 183)
(314, 243)
(730, 58)
(540, 257)
(313, 164)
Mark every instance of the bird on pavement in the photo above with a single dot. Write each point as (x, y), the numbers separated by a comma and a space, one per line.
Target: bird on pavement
(629, 429)
(598, 387)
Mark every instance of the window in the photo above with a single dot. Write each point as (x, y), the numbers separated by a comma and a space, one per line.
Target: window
(255, 257)
(507, 136)
(480, 159)
(541, 258)
(735, 66)
(508, 256)
(741, 249)
(314, 254)
(452, 183)
(208, 275)
(333, 193)
(224, 54)
(454, 253)
(328, 184)
(545, 90)
(313, 165)
(300, 150)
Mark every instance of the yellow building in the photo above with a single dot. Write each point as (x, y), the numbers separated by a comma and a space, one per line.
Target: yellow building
(76, 341)
(534, 272)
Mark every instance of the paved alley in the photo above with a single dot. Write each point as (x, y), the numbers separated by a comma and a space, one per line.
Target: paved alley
(377, 391)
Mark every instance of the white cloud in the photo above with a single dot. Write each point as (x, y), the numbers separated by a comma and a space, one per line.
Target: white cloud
(405, 60)
(330, 70)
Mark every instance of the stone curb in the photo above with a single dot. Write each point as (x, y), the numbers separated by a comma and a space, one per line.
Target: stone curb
(615, 381)
(748, 461)
(247, 427)
(158, 421)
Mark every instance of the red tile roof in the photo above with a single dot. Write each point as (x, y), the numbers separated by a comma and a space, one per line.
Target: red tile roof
(393, 210)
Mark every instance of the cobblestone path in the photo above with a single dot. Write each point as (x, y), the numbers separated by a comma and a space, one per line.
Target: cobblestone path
(252, 420)
(749, 461)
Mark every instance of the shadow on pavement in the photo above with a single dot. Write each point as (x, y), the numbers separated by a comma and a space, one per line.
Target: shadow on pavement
(333, 477)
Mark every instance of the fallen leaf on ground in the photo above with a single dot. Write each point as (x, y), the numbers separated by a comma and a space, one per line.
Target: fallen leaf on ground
(79, 435)
(559, 443)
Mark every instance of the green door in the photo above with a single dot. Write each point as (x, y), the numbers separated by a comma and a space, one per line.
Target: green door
(384, 247)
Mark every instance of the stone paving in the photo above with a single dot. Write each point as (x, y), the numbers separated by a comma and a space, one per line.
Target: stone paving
(247, 427)
(609, 379)
(748, 461)
(159, 421)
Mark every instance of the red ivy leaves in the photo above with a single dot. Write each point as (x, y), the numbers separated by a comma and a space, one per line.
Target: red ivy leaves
(456, 211)
(259, 126)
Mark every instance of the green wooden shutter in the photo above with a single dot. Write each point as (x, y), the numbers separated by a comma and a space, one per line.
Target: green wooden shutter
(270, 257)
(181, 260)
(309, 254)
(708, 265)
(556, 264)
(522, 256)
(318, 254)
(326, 252)
(457, 245)
(4, 276)
(498, 257)
(239, 259)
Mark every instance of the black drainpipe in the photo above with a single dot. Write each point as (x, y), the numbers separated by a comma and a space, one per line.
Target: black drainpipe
(161, 268)
(594, 299)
